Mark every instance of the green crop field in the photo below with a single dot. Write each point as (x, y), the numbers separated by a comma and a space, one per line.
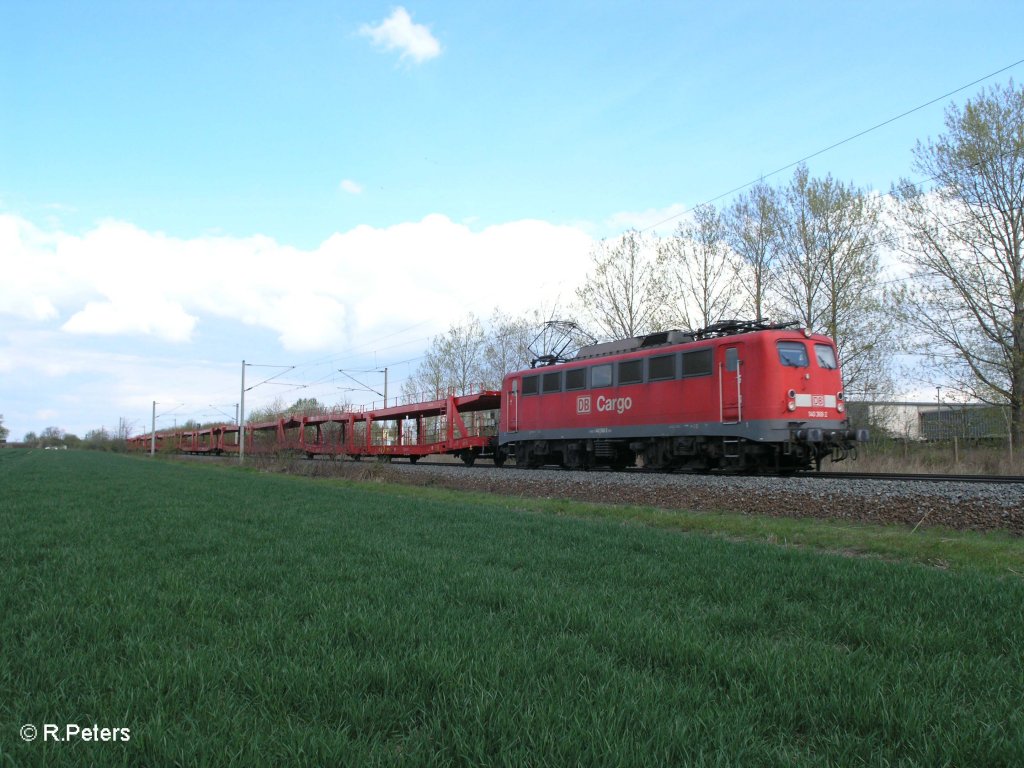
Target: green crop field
(233, 618)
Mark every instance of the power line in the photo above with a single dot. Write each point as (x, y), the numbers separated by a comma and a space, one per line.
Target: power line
(857, 135)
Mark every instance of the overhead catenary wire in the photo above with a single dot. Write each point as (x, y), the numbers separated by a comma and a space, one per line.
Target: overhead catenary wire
(830, 147)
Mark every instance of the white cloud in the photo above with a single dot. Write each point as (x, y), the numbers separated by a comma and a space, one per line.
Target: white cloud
(80, 313)
(118, 280)
(134, 316)
(31, 284)
(352, 187)
(398, 32)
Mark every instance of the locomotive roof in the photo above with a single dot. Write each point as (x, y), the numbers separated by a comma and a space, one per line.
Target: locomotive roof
(661, 338)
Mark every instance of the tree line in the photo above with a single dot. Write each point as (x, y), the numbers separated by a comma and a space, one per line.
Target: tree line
(816, 250)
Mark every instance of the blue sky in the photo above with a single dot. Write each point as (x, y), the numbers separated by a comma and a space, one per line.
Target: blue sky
(186, 184)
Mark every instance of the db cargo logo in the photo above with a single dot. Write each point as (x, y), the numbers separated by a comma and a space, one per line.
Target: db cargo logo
(604, 404)
(617, 404)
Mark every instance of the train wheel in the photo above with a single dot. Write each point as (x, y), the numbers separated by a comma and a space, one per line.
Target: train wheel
(469, 457)
(499, 457)
(525, 457)
(413, 459)
(576, 457)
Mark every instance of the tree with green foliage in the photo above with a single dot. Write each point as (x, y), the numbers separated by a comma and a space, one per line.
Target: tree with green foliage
(4, 431)
(306, 406)
(965, 242)
(828, 273)
(51, 436)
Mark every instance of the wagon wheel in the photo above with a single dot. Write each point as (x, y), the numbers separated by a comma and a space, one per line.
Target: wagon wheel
(499, 458)
(469, 457)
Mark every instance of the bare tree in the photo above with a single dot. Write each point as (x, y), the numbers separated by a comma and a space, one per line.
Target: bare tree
(507, 348)
(624, 295)
(965, 241)
(455, 361)
(751, 227)
(829, 275)
(702, 270)
(801, 263)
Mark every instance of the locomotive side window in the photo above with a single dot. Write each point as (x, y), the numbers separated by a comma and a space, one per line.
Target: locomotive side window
(530, 385)
(732, 358)
(576, 379)
(552, 382)
(631, 372)
(661, 368)
(826, 356)
(793, 354)
(697, 363)
(601, 375)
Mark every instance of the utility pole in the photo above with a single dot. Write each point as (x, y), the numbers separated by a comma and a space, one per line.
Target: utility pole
(241, 421)
(241, 409)
(152, 432)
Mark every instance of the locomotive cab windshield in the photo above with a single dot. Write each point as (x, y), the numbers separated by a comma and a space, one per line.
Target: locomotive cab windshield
(826, 356)
(793, 354)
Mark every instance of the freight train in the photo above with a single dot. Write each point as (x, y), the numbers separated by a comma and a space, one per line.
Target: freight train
(735, 396)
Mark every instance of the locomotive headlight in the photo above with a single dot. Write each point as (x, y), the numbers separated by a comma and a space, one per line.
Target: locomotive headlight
(840, 407)
(839, 395)
(807, 333)
(791, 405)
(791, 394)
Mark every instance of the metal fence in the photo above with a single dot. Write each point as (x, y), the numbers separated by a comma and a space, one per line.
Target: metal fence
(931, 421)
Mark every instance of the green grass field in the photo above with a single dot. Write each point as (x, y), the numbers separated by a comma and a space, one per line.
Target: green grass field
(229, 618)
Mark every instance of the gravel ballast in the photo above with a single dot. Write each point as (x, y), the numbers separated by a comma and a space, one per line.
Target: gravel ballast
(957, 505)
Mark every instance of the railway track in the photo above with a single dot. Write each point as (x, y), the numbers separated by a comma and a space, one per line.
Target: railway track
(483, 465)
(989, 479)
(964, 502)
(893, 476)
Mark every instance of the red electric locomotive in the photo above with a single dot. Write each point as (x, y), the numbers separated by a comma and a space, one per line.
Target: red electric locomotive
(739, 396)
